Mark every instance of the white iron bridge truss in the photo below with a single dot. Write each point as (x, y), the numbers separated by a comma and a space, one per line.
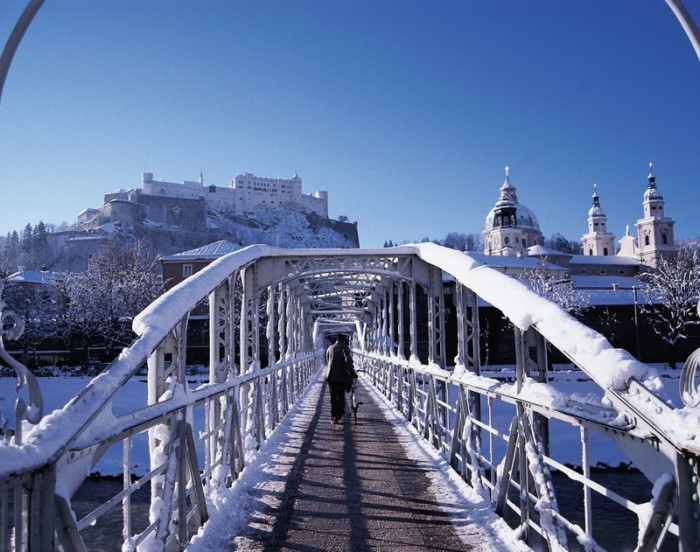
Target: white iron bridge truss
(267, 311)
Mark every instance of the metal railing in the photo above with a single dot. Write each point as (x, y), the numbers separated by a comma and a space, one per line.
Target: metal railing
(271, 303)
(496, 434)
(198, 437)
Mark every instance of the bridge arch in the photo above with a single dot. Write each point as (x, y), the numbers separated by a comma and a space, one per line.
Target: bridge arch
(267, 310)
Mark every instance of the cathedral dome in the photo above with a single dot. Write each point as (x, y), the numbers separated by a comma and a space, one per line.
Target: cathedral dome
(508, 212)
(524, 218)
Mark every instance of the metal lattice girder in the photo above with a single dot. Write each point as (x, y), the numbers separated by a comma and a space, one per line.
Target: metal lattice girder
(285, 296)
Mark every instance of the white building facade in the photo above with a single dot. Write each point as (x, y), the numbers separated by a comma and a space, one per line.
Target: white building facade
(245, 193)
(510, 228)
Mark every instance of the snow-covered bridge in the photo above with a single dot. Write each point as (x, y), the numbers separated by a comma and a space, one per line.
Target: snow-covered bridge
(267, 313)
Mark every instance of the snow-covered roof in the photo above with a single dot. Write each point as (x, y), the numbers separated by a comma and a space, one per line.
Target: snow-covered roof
(609, 297)
(604, 259)
(541, 251)
(31, 276)
(500, 262)
(210, 251)
(605, 282)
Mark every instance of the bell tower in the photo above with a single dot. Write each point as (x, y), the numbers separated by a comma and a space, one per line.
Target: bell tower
(598, 241)
(654, 231)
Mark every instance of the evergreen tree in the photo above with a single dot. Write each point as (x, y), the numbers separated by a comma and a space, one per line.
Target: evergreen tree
(9, 254)
(40, 246)
(26, 246)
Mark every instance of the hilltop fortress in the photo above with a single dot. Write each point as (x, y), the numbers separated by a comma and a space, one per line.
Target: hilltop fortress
(186, 205)
(170, 217)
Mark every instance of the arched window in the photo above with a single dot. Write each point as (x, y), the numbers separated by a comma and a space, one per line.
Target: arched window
(664, 239)
(605, 251)
(590, 251)
(646, 240)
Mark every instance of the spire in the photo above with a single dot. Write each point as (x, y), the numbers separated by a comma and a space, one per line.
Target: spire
(506, 182)
(201, 178)
(652, 193)
(507, 189)
(596, 210)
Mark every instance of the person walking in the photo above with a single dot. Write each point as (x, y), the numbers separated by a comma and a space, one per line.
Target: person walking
(340, 375)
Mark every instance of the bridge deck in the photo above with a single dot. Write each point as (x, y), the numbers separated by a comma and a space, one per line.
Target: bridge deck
(364, 486)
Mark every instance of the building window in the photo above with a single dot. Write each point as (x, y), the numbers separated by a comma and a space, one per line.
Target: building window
(605, 251)
(186, 270)
(646, 240)
(664, 239)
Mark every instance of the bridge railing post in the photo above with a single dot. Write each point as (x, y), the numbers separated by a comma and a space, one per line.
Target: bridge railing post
(171, 444)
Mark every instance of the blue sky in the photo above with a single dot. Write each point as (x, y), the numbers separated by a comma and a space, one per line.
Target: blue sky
(406, 112)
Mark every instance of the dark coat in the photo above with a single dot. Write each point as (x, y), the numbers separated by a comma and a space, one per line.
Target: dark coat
(340, 366)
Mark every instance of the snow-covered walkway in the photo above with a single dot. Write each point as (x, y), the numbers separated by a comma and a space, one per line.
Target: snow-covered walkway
(369, 486)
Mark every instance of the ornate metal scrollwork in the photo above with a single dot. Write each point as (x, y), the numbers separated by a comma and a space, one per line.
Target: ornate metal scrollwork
(690, 390)
(12, 327)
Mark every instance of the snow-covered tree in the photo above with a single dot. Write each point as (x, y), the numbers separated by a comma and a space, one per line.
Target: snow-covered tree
(561, 292)
(462, 242)
(672, 290)
(102, 302)
(559, 243)
(40, 306)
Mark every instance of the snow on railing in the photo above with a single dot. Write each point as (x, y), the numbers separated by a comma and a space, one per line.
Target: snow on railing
(477, 424)
(195, 437)
(240, 407)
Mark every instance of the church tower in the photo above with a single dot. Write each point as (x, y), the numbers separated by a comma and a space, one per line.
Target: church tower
(654, 231)
(598, 241)
(510, 228)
